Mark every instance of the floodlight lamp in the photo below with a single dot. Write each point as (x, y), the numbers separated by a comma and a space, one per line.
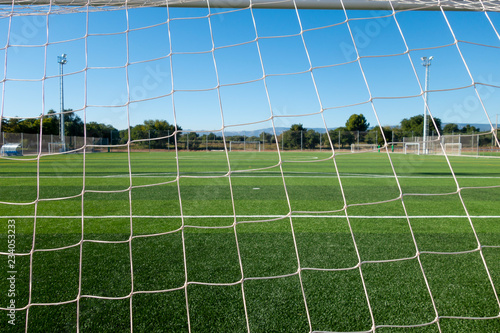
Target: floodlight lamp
(430, 58)
(424, 58)
(62, 59)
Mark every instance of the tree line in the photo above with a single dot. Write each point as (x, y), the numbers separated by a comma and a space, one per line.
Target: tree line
(356, 129)
(50, 125)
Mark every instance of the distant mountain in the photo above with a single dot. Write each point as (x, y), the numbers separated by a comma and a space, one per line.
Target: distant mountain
(269, 130)
(279, 130)
(482, 127)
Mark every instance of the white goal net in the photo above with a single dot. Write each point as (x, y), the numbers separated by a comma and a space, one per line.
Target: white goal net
(412, 148)
(244, 145)
(453, 148)
(56, 147)
(363, 147)
(169, 229)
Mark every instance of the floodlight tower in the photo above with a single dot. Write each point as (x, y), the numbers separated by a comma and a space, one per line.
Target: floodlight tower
(426, 62)
(61, 60)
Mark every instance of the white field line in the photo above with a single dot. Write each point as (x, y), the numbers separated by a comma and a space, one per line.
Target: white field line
(252, 216)
(237, 174)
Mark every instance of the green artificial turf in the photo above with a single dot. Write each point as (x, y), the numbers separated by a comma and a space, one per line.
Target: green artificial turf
(168, 244)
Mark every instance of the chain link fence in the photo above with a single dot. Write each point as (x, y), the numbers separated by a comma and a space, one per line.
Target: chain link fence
(343, 141)
(32, 144)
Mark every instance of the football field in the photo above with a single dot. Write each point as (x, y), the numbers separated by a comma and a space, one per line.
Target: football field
(250, 241)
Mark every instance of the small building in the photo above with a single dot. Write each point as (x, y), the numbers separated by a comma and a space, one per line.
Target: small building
(11, 149)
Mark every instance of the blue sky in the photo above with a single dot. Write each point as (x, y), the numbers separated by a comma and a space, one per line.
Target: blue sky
(97, 70)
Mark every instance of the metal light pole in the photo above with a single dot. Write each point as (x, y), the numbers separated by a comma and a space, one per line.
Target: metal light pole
(61, 60)
(426, 62)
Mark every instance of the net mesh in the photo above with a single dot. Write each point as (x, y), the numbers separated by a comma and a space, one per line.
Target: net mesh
(197, 260)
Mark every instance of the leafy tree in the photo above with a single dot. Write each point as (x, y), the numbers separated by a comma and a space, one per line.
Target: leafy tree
(324, 139)
(397, 133)
(192, 136)
(191, 140)
(161, 127)
(3, 124)
(415, 124)
(375, 135)
(346, 137)
(10, 125)
(294, 136)
(152, 129)
(267, 137)
(468, 129)
(31, 126)
(138, 132)
(484, 140)
(450, 128)
(297, 127)
(50, 123)
(235, 138)
(124, 135)
(357, 122)
(95, 129)
(100, 130)
(311, 139)
(212, 136)
(73, 124)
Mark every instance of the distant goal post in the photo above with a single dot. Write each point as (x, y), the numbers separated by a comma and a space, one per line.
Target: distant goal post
(453, 148)
(363, 147)
(245, 146)
(412, 148)
(56, 147)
